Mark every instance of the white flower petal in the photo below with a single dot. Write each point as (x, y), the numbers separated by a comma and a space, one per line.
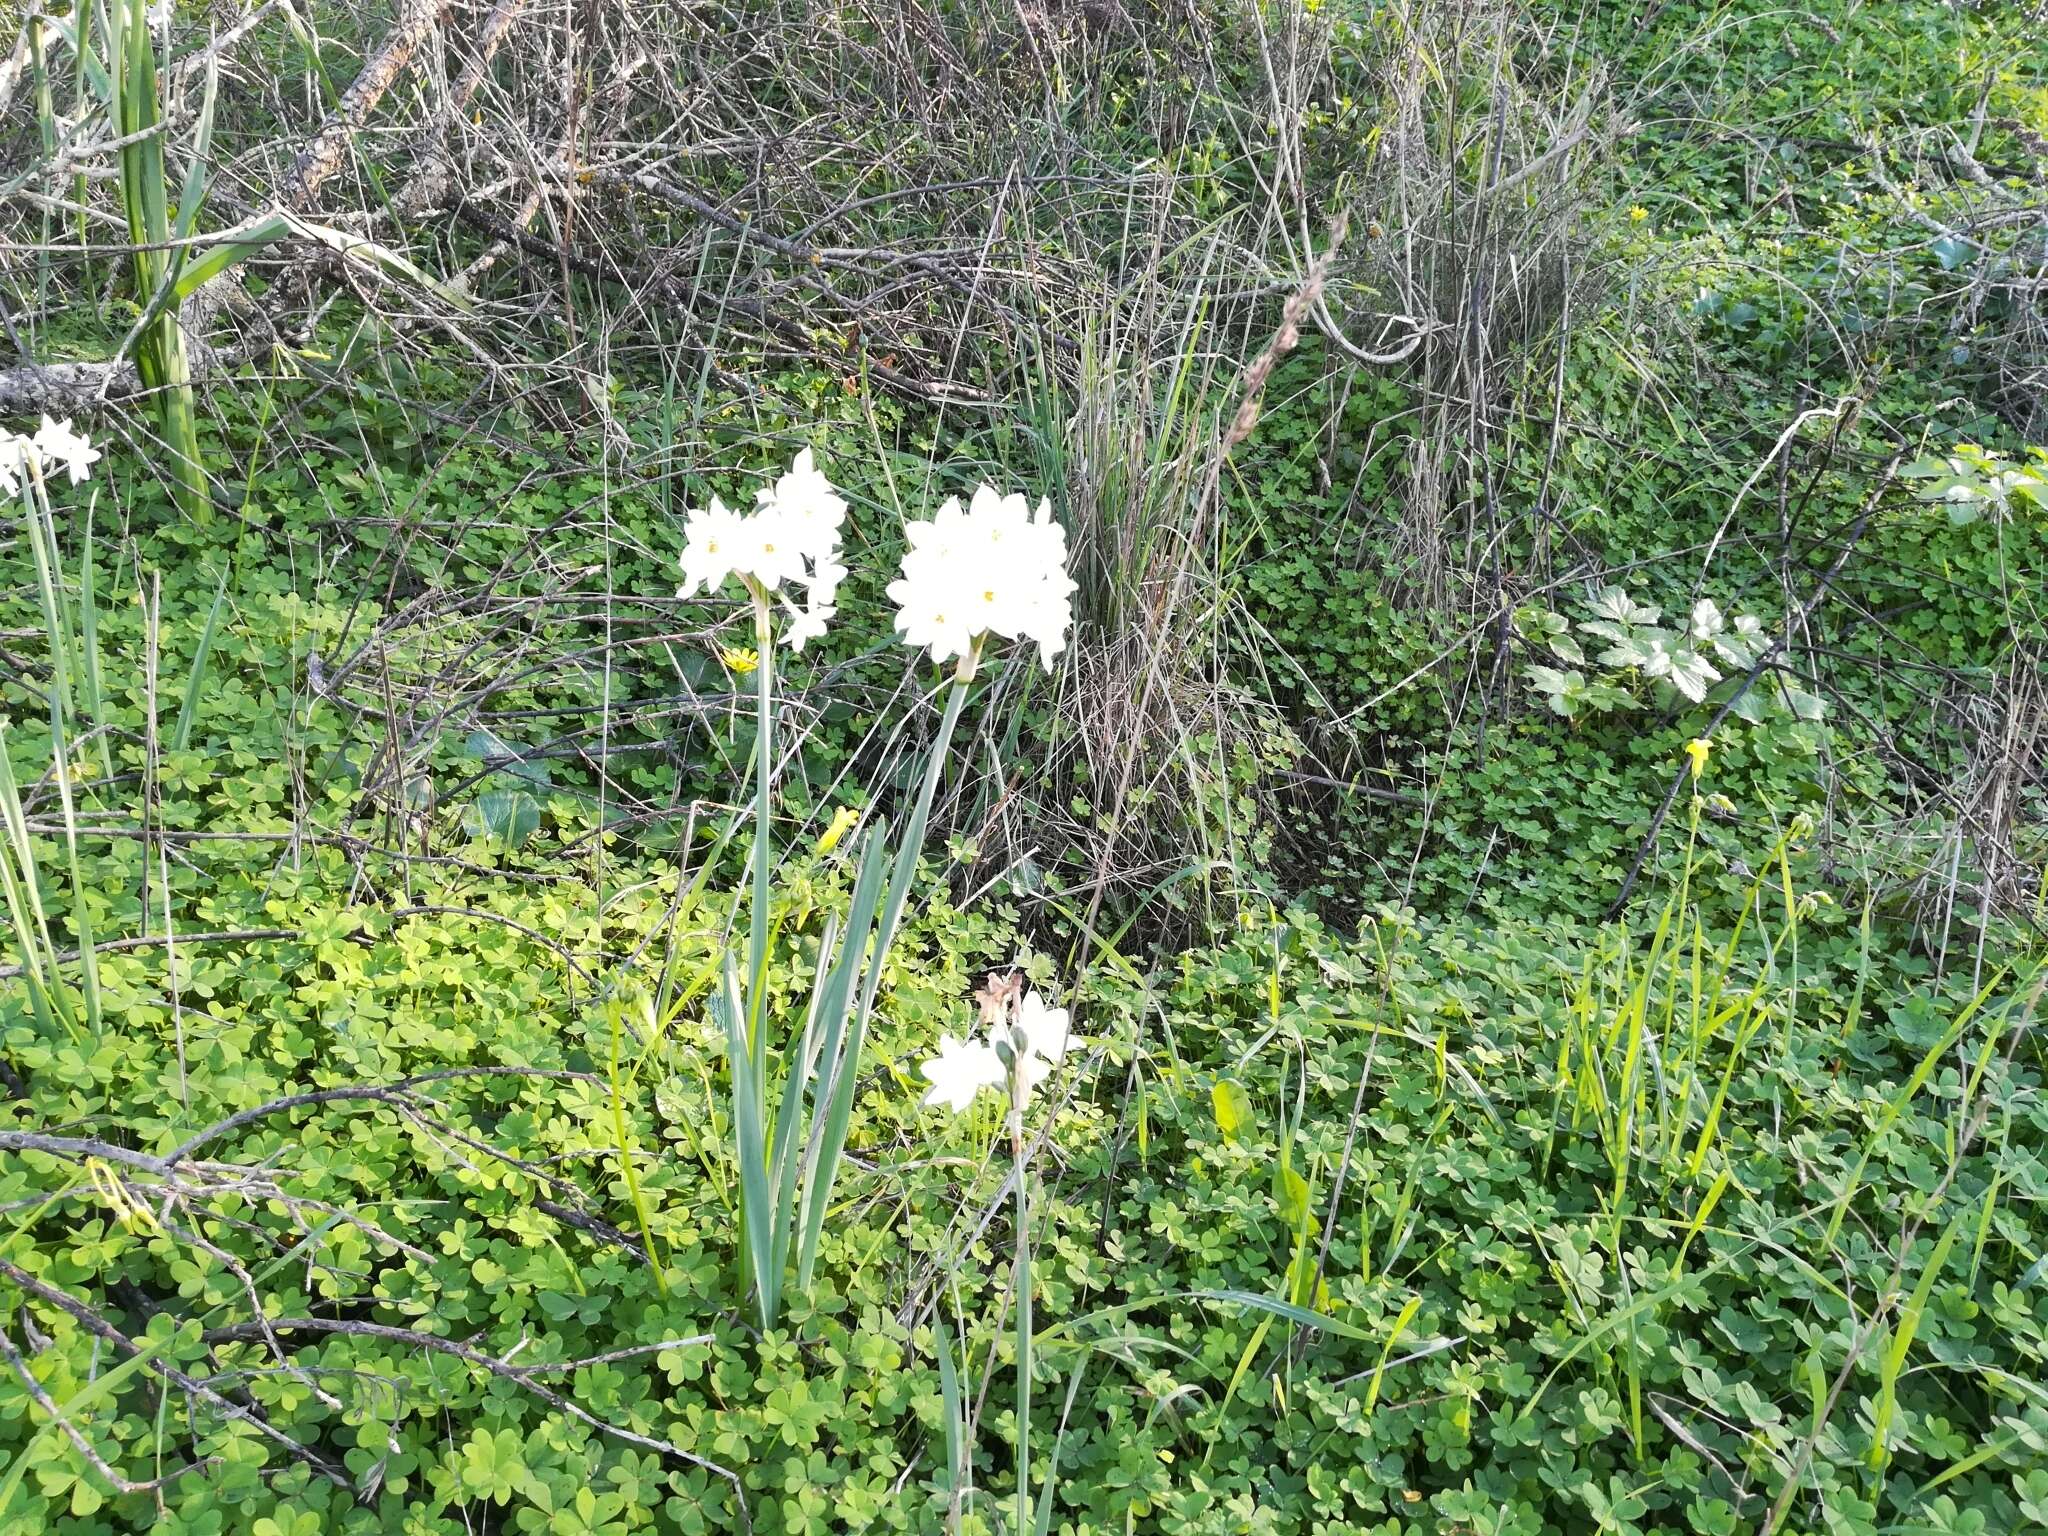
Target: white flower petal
(1045, 1030)
(711, 540)
(960, 1071)
(56, 445)
(13, 455)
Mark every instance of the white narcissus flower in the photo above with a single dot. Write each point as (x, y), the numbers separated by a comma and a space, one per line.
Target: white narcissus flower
(766, 547)
(994, 568)
(807, 623)
(14, 453)
(1043, 1028)
(1038, 1040)
(960, 1071)
(932, 615)
(1027, 1038)
(57, 444)
(711, 540)
(811, 510)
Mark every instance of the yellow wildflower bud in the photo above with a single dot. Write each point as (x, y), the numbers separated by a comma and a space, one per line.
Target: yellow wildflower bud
(843, 821)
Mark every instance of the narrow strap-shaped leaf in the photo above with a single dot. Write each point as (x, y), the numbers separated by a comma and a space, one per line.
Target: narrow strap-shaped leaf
(839, 1058)
(25, 907)
(955, 1408)
(89, 634)
(790, 1107)
(615, 1012)
(797, 1075)
(89, 66)
(912, 845)
(822, 1166)
(193, 192)
(188, 711)
(751, 1136)
(764, 787)
(1902, 1098)
(831, 1004)
(81, 909)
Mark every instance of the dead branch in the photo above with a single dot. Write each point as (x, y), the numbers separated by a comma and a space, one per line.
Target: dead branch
(90, 1319)
(324, 152)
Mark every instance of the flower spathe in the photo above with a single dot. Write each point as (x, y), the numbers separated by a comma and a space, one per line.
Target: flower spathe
(994, 567)
(791, 538)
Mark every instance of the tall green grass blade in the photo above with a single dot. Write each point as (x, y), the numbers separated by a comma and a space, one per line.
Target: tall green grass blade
(89, 634)
(1244, 1367)
(1902, 1341)
(188, 711)
(1898, 1104)
(46, 125)
(1401, 1322)
(1042, 1526)
(955, 1407)
(81, 910)
(40, 959)
(623, 1138)
(40, 525)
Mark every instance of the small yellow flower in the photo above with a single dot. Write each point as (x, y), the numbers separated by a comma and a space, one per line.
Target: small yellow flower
(740, 658)
(1697, 749)
(843, 821)
(134, 1217)
(1638, 214)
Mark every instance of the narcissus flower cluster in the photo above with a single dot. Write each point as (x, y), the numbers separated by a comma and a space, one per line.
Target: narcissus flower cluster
(1024, 1038)
(790, 539)
(994, 567)
(53, 446)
